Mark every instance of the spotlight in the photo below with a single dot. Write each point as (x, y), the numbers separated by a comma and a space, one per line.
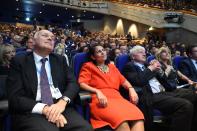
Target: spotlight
(27, 19)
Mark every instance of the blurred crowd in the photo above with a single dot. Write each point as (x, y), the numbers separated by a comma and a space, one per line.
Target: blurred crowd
(188, 5)
(16, 40)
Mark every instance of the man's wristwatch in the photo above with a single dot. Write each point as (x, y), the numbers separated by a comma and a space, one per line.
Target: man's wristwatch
(66, 99)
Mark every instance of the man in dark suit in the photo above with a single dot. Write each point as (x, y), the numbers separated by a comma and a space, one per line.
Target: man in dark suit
(189, 65)
(41, 89)
(150, 79)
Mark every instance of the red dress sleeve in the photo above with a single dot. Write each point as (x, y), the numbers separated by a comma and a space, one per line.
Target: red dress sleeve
(85, 74)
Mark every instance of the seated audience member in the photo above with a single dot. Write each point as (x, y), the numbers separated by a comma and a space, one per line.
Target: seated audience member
(7, 52)
(83, 49)
(114, 53)
(189, 66)
(171, 74)
(149, 78)
(29, 44)
(153, 50)
(60, 49)
(1, 39)
(177, 53)
(123, 49)
(41, 88)
(112, 44)
(108, 107)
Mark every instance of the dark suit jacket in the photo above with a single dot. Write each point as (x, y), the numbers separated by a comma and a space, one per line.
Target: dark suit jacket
(22, 81)
(4, 70)
(140, 78)
(187, 68)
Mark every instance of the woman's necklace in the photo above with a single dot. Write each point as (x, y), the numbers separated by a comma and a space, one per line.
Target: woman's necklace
(103, 68)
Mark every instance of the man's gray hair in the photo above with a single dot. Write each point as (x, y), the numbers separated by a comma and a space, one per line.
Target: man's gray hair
(136, 49)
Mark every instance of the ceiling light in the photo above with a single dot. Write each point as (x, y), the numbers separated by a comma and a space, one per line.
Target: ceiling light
(58, 15)
(40, 12)
(27, 19)
(151, 28)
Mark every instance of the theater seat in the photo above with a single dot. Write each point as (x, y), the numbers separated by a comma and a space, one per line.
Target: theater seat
(78, 60)
(120, 62)
(4, 117)
(176, 61)
(150, 58)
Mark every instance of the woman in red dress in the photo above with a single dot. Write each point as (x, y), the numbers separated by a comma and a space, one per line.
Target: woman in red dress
(108, 107)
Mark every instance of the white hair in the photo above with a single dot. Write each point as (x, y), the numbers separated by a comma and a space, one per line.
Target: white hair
(136, 49)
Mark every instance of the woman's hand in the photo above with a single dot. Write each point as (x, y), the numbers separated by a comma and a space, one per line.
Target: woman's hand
(101, 98)
(190, 82)
(133, 96)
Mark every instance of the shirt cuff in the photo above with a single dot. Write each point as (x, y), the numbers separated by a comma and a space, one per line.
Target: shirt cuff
(65, 98)
(38, 108)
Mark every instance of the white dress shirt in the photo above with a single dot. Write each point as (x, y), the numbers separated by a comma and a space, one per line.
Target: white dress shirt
(156, 87)
(194, 62)
(56, 94)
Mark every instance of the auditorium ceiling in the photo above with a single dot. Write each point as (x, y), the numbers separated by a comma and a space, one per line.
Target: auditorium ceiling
(29, 11)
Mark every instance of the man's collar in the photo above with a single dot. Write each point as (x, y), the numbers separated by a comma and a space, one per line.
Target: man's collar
(138, 64)
(37, 57)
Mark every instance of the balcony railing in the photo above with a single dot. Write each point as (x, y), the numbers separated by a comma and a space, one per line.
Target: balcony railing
(172, 5)
(82, 3)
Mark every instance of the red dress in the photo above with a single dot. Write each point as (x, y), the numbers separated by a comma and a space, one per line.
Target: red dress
(118, 109)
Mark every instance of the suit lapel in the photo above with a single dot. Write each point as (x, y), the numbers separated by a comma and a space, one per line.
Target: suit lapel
(193, 66)
(54, 70)
(31, 73)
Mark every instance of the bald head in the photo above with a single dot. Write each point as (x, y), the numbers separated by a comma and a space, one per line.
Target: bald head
(41, 32)
(44, 42)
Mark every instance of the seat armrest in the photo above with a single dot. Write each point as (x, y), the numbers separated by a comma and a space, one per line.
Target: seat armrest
(4, 105)
(85, 97)
(138, 89)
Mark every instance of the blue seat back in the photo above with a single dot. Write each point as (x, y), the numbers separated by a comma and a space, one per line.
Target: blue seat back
(176, 61)
(121, 61)
(150, 58)
(20, 49)
(78, 60)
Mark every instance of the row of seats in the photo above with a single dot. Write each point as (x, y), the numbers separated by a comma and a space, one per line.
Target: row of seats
(78, 60)
(176, 60)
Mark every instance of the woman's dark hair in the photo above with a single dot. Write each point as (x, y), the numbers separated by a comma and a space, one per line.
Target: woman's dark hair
(92, 52)
(190, 48)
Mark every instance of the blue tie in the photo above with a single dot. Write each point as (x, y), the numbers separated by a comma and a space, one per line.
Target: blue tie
(46, 95)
